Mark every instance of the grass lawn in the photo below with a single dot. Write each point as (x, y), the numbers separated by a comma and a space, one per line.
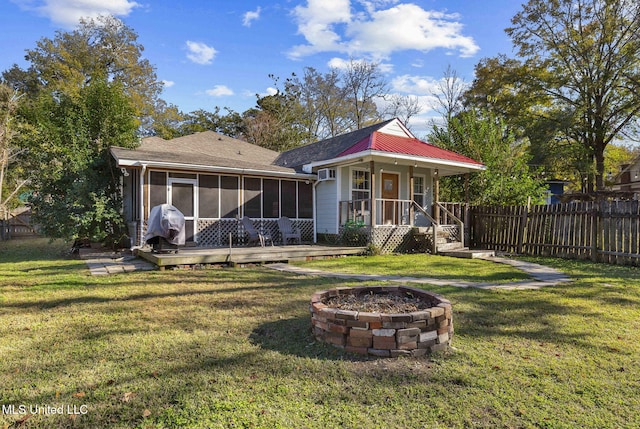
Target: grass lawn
(229, 347)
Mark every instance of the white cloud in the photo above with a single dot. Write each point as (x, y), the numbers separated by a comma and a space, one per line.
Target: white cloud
(67, 13)
(377, 32)
(200, 53)
(251, 16)
(219, 91)
(342, 64)
(317, 22)
(168, 83)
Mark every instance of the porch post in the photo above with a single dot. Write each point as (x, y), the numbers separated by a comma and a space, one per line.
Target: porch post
(411, 195)
(436, 196)
(373, 193)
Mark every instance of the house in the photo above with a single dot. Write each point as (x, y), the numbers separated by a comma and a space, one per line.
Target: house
(380, 177)
(628, 180)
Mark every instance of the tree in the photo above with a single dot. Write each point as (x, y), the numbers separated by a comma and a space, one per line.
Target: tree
(276, 121)
(584, 58)
(87, 89)
(75, 179)
(100, 48)
(201, 120)
(363, 83)
(11, 181)
(507, 180)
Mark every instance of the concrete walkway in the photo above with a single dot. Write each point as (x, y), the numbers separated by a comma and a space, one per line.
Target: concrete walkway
(105, 263)
(541, 276)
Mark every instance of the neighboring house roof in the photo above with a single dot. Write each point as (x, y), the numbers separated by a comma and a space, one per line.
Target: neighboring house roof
(205, 151)
(387, 139)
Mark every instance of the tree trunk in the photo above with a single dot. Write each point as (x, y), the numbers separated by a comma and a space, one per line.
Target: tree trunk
(599, 156)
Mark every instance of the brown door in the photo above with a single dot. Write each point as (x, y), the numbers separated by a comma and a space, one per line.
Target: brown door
(390, 199)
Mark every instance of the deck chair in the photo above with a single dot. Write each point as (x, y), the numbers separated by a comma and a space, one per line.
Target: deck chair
(288, 231)
(254, 236)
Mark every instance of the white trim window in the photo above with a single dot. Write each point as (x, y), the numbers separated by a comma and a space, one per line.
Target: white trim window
(419, 190)
(360, 185)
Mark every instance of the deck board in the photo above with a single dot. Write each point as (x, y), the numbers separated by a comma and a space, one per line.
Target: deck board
(245, 255)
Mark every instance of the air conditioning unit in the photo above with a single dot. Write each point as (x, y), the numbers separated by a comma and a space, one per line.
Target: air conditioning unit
(326, 174)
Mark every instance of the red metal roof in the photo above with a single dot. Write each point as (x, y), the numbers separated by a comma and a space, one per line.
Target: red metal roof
(407, 146)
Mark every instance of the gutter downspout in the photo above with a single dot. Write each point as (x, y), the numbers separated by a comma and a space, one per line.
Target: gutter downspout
(142, 173)
(315, 215)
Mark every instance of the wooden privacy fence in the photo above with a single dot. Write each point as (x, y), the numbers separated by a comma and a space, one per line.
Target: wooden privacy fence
(599, 231)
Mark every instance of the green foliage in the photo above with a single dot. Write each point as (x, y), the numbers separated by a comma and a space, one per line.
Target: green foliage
(508, 180)
(575, 84)
(76, 180)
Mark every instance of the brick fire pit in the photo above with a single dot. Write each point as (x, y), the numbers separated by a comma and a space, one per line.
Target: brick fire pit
(414, 333)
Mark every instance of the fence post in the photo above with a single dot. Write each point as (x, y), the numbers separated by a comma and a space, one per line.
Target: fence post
(594, 231)
(524, 215)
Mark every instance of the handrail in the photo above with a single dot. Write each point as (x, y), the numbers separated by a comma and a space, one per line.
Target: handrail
(457, 220)
(434, 241)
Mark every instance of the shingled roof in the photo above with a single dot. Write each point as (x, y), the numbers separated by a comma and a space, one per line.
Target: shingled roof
(325, 149)
(207, 149)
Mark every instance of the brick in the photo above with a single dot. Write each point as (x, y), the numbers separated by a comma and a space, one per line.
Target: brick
(361, 333)
(335, 338)
(397, 317)
(417, 324)
(319, 318)
(359, 350)
(399, 353)
(384, 343)
(420, 315)
(329, 313)
(407, 345)
(357, 324)
(337, 328)
(418, 352)
(359, 342)
(428, 336)
(383, 332)
(347, 315)
(375, 325)
(444, 330)
(317, 306)
(379, 352)
(320, 325)
(369, 317)
(426, 344)
(436, 311)
(443, 338)
(444, 324)
(394, 325)
(408, 332)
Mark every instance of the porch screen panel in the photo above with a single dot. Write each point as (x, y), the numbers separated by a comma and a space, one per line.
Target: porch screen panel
(271, 198)
(252, 190)
(182, 198)
(305, 200)
(157, 188)
(229, 191)
(289, 198)
(209, 196)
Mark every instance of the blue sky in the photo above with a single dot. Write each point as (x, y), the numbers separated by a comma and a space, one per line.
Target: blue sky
(220, 53)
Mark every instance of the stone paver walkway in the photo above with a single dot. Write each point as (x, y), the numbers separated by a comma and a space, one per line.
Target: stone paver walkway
(104, 263)
(541, 276)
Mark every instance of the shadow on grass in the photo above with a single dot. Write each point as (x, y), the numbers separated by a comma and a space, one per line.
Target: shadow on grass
(294, 337)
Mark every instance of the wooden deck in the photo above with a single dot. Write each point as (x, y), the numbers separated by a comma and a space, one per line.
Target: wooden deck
(245, 255)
